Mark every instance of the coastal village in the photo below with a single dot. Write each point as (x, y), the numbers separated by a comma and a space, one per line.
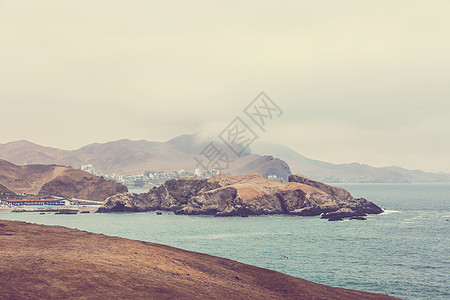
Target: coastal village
(151, 178)
(24, 202)
(63, 205)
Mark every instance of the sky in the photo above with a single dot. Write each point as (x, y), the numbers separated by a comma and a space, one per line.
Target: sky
(358, 81)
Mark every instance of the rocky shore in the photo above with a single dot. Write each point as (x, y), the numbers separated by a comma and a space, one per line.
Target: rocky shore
(228, 195)
(53, 262)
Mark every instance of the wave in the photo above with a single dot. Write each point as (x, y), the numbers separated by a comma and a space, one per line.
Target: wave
(387, 212)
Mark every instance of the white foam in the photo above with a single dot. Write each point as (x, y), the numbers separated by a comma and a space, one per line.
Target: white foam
(387, 212)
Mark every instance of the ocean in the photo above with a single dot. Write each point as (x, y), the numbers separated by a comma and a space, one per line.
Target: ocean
(404, 252)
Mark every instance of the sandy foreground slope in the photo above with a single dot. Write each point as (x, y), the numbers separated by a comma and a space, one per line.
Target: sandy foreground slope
(49, 262)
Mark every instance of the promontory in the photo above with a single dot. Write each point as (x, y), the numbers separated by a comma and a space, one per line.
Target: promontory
(229, 195)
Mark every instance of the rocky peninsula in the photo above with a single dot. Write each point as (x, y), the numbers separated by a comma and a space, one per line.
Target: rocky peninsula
(228, 195)
(53, 262)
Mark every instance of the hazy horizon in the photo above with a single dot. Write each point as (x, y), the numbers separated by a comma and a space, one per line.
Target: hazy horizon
(357, 81)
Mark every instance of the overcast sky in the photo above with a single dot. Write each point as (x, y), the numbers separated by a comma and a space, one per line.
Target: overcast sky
(365, 81)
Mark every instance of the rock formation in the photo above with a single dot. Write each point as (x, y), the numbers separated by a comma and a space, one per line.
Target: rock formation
(5, 192)
(87, 187)
(54, 180)
(227, 195)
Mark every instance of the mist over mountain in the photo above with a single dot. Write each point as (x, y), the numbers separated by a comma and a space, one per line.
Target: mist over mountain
(135, 157)
(349, 172)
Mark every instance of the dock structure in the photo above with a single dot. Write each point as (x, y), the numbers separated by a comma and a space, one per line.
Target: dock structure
(39, 202)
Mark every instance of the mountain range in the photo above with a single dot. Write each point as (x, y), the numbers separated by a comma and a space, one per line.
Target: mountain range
(135, 157)
(349, 172)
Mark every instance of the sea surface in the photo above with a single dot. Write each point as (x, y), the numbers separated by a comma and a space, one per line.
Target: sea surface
(404, 252)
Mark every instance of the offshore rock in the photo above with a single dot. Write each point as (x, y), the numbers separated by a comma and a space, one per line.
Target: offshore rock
(228, 195)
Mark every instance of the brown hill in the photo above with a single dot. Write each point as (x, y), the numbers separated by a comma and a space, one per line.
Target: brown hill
(53, 262)
(27, 153)
(264, 165)
(56, 180)
(136, 157)
(5, 193)
(5, 190)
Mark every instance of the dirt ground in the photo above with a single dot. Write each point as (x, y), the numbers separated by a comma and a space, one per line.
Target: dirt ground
(53, 262)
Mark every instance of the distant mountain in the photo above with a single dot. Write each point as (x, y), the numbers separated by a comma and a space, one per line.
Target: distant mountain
(27, 153)
(133, 157)
(264, 165)
(351, 172)
(136, 157)
(420, 176)
(55, 180)
(194, 143)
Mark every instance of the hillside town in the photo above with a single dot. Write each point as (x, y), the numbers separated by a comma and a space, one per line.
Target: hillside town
(152, 178)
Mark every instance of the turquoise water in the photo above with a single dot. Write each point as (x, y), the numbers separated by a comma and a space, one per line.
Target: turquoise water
(404, 252)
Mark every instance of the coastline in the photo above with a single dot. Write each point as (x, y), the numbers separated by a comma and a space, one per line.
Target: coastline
(58, 262)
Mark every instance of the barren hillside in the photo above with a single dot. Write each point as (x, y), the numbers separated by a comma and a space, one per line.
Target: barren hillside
(56, 180)
(61, 263)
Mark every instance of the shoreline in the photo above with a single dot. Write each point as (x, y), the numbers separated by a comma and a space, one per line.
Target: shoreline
(59, 262)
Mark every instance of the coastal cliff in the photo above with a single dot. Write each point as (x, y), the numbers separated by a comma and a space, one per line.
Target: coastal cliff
(53, 262)
(85, 187)
(5, 192)
(54, 180)
(228, 195)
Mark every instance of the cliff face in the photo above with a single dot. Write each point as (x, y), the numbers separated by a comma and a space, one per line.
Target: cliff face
(89, 188)
(5, 192)
(252, 194)
(54, 180)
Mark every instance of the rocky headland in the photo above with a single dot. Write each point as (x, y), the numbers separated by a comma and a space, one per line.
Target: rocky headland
(5, 192)
(53, 262)
(229, 195)
(55, 180)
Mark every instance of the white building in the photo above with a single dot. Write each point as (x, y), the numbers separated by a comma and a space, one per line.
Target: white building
(89, 168)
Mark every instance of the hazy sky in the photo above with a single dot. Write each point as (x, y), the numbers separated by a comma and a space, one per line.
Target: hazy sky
(365, 81)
